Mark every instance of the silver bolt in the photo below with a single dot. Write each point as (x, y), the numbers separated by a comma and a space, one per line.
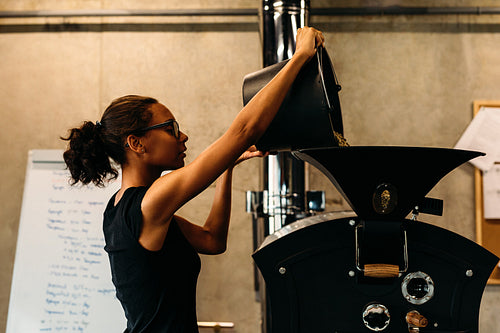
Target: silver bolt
(469, 273)
(352, 273)
(352, 223)
(436, 324)
(282, 270)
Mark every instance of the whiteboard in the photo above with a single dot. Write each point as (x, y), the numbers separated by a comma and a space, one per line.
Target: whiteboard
(62, 280)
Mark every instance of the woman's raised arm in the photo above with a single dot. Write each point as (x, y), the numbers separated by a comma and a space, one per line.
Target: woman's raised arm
(168, 193)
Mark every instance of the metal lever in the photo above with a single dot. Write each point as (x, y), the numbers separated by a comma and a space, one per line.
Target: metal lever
(428, 206)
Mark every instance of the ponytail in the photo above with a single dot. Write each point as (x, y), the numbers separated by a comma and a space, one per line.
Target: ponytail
(86, 157)
(92, 145)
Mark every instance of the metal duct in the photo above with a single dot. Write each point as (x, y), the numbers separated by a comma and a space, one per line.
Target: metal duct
(283, 198)
(325, 11)
(129, 12)
(403, 10)
(284, 188)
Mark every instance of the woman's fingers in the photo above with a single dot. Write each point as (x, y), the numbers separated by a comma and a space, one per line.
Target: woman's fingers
(308, 39)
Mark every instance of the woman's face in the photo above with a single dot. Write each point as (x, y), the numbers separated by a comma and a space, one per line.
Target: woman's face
(162, 148)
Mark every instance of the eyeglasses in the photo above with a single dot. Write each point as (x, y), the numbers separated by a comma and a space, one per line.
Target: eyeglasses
(171, 122)
(175, 128)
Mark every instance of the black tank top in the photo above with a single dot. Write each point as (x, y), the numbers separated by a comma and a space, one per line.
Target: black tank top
(157, 289)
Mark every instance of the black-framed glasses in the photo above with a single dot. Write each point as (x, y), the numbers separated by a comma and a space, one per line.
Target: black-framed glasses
(175, 128)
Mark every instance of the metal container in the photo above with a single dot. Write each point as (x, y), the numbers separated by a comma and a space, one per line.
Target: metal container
(310, 112)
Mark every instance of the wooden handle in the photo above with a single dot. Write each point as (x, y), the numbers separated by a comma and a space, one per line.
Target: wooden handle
(215, 324)
(381, 270)
(416, 319)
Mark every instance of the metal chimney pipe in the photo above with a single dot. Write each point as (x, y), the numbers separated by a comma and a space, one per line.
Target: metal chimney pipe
(284, 178)
(280, 21)
(283, 199)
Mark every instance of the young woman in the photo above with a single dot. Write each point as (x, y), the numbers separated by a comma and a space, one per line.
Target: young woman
(153, 252)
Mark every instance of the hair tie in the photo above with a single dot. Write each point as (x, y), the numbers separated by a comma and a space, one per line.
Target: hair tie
(98, 124)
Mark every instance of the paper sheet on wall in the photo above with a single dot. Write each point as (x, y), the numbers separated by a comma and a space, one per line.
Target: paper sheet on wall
(483, 134)
(491, 193)
(62, 280)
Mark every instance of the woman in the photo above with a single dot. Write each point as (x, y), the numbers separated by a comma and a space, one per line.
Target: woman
(153, 252)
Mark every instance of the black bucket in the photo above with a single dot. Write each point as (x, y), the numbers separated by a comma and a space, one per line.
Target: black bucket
(310, 112)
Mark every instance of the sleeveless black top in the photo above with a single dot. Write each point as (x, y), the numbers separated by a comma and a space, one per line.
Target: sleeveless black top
(157, 289)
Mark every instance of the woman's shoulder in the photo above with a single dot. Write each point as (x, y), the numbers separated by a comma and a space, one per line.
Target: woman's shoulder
(125, 200)
(134, 191)
(128, 194)
(122, 221)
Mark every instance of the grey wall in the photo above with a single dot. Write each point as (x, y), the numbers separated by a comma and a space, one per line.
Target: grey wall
(406, 80)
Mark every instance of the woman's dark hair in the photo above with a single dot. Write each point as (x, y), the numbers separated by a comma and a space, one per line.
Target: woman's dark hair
(92, 145)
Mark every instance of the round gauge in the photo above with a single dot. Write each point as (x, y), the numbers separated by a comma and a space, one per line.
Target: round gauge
(376, 317)
(417, 288)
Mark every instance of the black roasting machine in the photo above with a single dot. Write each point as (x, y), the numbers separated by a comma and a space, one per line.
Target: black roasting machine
(371, 269)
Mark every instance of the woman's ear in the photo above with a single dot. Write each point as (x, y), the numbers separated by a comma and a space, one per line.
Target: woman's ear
(135, 144)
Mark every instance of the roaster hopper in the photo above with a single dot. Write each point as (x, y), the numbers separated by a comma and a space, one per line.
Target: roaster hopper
(374, 269)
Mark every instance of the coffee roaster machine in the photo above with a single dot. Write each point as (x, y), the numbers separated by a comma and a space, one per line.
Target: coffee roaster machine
(372, 269)
(377, 268)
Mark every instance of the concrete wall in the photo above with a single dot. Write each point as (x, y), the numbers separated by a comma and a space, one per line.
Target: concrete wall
(406, 80)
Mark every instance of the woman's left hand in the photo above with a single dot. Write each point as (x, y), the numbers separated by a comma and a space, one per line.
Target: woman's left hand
(250, 153)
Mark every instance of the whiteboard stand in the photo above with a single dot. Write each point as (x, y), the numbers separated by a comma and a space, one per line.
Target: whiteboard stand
(62, 280)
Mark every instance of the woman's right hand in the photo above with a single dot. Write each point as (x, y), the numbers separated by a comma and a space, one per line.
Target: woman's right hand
(250, 153)
(308, 39)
